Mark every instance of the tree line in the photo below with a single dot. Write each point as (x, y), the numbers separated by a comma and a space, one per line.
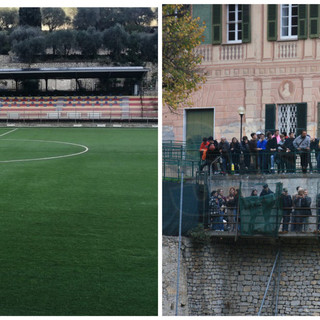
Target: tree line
(124, 34)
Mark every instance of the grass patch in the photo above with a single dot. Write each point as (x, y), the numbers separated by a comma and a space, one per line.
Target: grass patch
(79, 234)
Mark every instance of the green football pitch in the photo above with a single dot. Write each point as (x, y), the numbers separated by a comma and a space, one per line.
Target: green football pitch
(78, 219)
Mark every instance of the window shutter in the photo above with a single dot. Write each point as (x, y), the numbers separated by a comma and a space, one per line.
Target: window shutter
(272, 22)
(314, 23)
(205, 13)
(301, 117)
(302, 21)
(216, 23)
(246, 27)
(270, 117)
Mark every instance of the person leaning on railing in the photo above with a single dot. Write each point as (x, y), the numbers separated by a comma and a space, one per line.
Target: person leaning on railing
(302, 144)
(210, 155)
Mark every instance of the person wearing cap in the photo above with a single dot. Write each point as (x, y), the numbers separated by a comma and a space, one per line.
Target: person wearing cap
(286, 205)
(265, 190)
(258, 133)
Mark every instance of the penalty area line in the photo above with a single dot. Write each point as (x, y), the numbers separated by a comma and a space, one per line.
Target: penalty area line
(1, 135)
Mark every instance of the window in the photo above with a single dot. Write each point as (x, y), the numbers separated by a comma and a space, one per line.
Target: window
(234, 23)
(289, 21)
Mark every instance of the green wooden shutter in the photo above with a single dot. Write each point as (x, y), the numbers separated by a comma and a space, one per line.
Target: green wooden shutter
(314, 21)
(205, 13)
(301, 117)
(270, 117)
(302, 21)
(216, 24)
(272, 22)
(246, 27)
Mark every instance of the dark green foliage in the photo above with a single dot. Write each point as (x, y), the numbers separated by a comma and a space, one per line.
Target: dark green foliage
(61, 41)
(54, 18)
(5, 45)
(9, 18)
(133, 19)
(30, 17)
(89, 41)
(79, 234)
(86, 18)
(27, 43)
(142, 47)
(199, 235)
(115, 39)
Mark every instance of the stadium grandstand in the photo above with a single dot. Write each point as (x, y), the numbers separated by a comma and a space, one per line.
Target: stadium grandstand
(113, 94)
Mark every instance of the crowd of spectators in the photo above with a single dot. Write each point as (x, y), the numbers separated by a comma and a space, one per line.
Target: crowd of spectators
(296, 210)
(263, 153)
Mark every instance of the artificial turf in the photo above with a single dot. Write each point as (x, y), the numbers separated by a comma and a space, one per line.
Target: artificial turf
(79, 234)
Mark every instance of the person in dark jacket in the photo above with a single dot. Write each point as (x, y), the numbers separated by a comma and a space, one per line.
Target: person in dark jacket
(245, 149)
(290, 156)
(235, 152)
(286, 205)
(271, 149)
(299, 213)
(307, 211)
(224, 149)
(315, 145)
(281, 152)
(254, 152)
(214, 211)
(265, 190)
(209, 156)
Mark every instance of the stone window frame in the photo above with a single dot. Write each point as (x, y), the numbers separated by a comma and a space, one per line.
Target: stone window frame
(290, 17)
(237, 22)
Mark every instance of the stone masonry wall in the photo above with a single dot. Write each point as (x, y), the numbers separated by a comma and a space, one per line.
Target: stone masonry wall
(224, 277)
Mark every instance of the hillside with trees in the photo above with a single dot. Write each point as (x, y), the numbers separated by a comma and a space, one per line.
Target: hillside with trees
(114, 36)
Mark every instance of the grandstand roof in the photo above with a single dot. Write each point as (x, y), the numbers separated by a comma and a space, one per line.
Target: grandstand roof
(73, 73)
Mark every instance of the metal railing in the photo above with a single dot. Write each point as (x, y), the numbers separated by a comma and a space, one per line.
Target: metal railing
(291, 221)
(175, 154)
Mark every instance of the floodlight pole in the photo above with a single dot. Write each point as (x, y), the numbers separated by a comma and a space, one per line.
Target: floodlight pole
(179, 248)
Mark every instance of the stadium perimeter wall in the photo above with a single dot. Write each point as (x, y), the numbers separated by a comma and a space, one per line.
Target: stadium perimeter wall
(224, 277)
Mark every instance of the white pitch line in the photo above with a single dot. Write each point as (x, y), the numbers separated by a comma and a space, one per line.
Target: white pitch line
(86, 149)
(1, 135)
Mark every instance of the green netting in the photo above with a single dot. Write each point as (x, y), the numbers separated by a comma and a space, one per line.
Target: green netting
(261, 215)
(195, 199)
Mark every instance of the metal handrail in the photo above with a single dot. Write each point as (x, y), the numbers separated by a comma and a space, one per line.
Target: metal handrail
(268, 284)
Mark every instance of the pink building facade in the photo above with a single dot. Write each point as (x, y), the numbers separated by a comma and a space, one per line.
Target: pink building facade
(265, 58)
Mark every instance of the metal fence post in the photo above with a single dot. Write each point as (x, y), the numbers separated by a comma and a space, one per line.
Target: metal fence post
(179, 247)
